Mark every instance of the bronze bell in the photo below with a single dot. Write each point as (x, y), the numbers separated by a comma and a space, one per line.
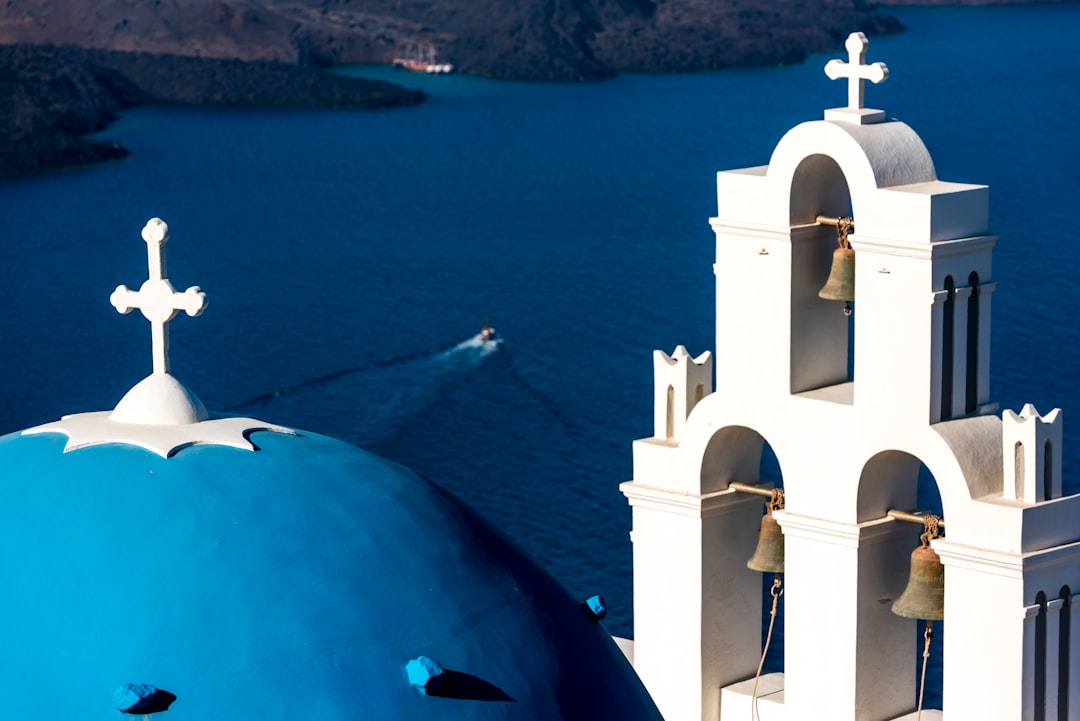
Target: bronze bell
(841, 282)
(924, 596)
(769, 555)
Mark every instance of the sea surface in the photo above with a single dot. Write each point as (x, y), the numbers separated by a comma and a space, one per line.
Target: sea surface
(350, 259)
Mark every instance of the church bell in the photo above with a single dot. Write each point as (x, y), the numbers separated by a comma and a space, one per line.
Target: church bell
(924, 597)
(841, 282)
(769, 555)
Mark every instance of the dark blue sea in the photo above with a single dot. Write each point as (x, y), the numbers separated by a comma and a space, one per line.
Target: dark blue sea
(349, 258)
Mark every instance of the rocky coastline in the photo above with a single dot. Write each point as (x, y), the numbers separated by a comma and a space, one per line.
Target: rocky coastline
(68, 66)
(55, 96)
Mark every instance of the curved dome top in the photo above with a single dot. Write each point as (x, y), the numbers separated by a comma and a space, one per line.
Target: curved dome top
(294, 582)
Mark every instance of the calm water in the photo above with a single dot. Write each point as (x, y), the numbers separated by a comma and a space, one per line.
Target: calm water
(349, 258)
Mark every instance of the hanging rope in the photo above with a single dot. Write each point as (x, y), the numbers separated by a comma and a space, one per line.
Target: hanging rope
(928, 634)
(777, 591)
(932, 524)
(775, 503)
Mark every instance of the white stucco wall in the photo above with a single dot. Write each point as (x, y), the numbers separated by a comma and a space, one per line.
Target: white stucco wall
(849, 449)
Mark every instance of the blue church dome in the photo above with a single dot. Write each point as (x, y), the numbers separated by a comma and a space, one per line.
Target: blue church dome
(160, 560)
(293, 581)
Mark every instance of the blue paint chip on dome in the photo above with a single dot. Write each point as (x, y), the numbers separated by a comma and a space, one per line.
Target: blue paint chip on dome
(596, 607)
(142, 698)
(422, 670)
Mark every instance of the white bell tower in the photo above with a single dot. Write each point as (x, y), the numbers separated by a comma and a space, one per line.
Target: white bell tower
(851, 423)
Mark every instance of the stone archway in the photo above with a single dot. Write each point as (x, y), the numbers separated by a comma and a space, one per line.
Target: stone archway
(733, 453)
(895, 480)
(741, 454)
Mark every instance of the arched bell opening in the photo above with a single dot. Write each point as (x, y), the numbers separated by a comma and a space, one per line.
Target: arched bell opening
(741, 456)
(899, 591)
(822, 336)
(733, 454)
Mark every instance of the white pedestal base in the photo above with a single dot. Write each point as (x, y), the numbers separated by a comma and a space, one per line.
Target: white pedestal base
(736, 699)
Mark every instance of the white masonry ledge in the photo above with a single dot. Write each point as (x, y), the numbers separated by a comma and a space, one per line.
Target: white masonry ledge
(855, 116)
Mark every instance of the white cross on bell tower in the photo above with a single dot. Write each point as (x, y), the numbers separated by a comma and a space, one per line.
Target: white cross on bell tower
(857, 73)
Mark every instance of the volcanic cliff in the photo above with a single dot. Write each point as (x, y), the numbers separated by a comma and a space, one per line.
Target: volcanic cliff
(67, 66)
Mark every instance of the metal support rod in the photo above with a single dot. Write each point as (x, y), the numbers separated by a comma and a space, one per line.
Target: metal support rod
(911, 517)
(892, 513)
(747, 488)
(834, 222)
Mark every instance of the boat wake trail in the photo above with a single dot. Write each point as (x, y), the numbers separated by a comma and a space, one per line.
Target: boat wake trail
(551, 407)
(474, 346)
(368, 402)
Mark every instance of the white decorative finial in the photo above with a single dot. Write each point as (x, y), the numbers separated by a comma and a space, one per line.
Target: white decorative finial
(157, 299)
(857, 73)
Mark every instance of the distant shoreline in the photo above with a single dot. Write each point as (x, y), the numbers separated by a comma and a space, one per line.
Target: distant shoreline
(68, 66)
(56, 96)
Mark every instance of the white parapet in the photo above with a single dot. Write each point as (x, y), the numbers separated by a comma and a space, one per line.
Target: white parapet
(1031, 449)
(681, 382)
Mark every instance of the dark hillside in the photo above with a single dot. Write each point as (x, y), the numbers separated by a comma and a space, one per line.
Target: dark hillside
(512, 39)
(67, 66)
(53, 97)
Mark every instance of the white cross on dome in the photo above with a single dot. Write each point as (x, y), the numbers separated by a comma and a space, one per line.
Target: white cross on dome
(157, 299)
(159, 413)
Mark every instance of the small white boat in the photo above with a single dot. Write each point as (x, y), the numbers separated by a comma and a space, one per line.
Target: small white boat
(487, 332)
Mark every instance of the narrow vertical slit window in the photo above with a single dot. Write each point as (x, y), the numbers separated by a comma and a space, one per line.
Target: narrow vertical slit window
(1018, 470)
(1048, 471)
(972, 388)
(670, 428)
(948, 327)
